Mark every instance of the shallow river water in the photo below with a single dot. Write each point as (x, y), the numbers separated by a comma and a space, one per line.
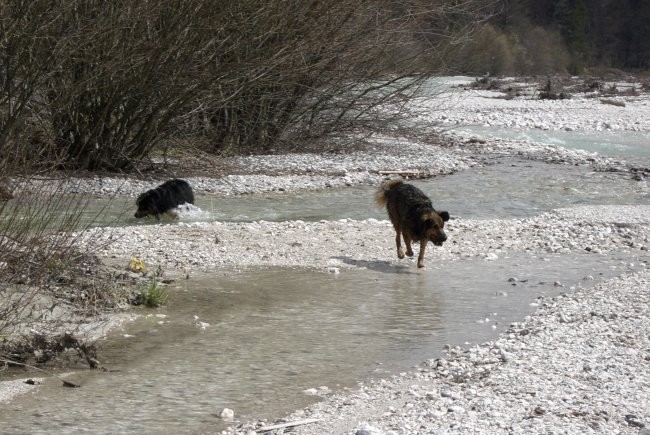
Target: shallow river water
(630, 144)
(508, 188)
(270, 334)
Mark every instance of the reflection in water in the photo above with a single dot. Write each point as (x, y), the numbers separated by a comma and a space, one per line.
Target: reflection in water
(275, 332)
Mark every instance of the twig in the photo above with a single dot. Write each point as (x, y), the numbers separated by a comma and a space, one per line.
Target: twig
(65, 383)
(289, 424)
(414, 172)
(613, 102)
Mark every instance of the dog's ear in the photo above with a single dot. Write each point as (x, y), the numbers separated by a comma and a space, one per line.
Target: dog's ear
(444, 215)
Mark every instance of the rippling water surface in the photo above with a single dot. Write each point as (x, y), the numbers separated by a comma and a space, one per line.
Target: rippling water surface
(629, 144)
(508, 188)
(270, 334)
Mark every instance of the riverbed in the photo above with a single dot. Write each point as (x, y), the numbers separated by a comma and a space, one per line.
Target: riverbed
(294, 289)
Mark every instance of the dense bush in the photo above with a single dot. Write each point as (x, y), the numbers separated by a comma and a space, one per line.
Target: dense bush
(133, 69)
(97, 85)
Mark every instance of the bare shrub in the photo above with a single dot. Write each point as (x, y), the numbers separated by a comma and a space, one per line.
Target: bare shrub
(29, 53)
(489, 52)
(553, 90)
(542, 51)
(50, 288)
(98, 85)
(309, 69)
(48, 284)
(498, 52)
(133, 68)
(35, 250)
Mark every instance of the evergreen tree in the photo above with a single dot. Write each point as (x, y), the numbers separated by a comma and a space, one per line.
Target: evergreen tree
(636, 35)
(561, 14)
(578, 35)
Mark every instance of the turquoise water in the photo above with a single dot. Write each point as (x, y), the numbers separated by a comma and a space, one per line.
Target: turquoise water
(628, 145)
(506, 189)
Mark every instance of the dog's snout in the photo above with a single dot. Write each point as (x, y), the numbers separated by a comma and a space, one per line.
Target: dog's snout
(439, 239)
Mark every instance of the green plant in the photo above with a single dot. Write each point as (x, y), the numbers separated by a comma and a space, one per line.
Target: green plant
(154, 295)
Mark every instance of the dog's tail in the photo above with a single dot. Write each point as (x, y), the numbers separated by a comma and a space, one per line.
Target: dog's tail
(381, 197)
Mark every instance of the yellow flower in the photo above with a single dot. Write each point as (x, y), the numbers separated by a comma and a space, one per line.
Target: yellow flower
(137, 265)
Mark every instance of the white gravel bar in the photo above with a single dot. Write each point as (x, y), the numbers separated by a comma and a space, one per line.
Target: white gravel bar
(202, 246)
(10, 389)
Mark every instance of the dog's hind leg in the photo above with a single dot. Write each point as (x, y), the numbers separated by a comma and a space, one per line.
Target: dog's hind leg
(423, 244)
(398, 241)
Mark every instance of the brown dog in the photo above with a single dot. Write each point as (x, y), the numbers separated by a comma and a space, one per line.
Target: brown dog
(413, 217)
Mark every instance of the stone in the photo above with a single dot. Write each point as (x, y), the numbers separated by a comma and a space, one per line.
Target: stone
(227, 414)
(367, 429)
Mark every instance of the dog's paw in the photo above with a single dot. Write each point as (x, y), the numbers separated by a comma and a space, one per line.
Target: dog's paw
(400, 253)
(420, 264)
(409, 253)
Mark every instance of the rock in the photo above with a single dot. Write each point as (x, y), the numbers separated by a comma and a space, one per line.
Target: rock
(202, 325)
(634, 421)
(227, 414)
(367, 429)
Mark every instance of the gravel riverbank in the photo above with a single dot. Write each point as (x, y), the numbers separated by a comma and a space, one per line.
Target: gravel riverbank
(579, 364)
(185, 247)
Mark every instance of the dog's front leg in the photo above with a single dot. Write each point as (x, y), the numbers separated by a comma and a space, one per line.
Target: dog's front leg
(423, 244)
(407, 242)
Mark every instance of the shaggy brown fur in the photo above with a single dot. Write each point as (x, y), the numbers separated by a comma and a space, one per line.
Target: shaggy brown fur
(413, 217)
